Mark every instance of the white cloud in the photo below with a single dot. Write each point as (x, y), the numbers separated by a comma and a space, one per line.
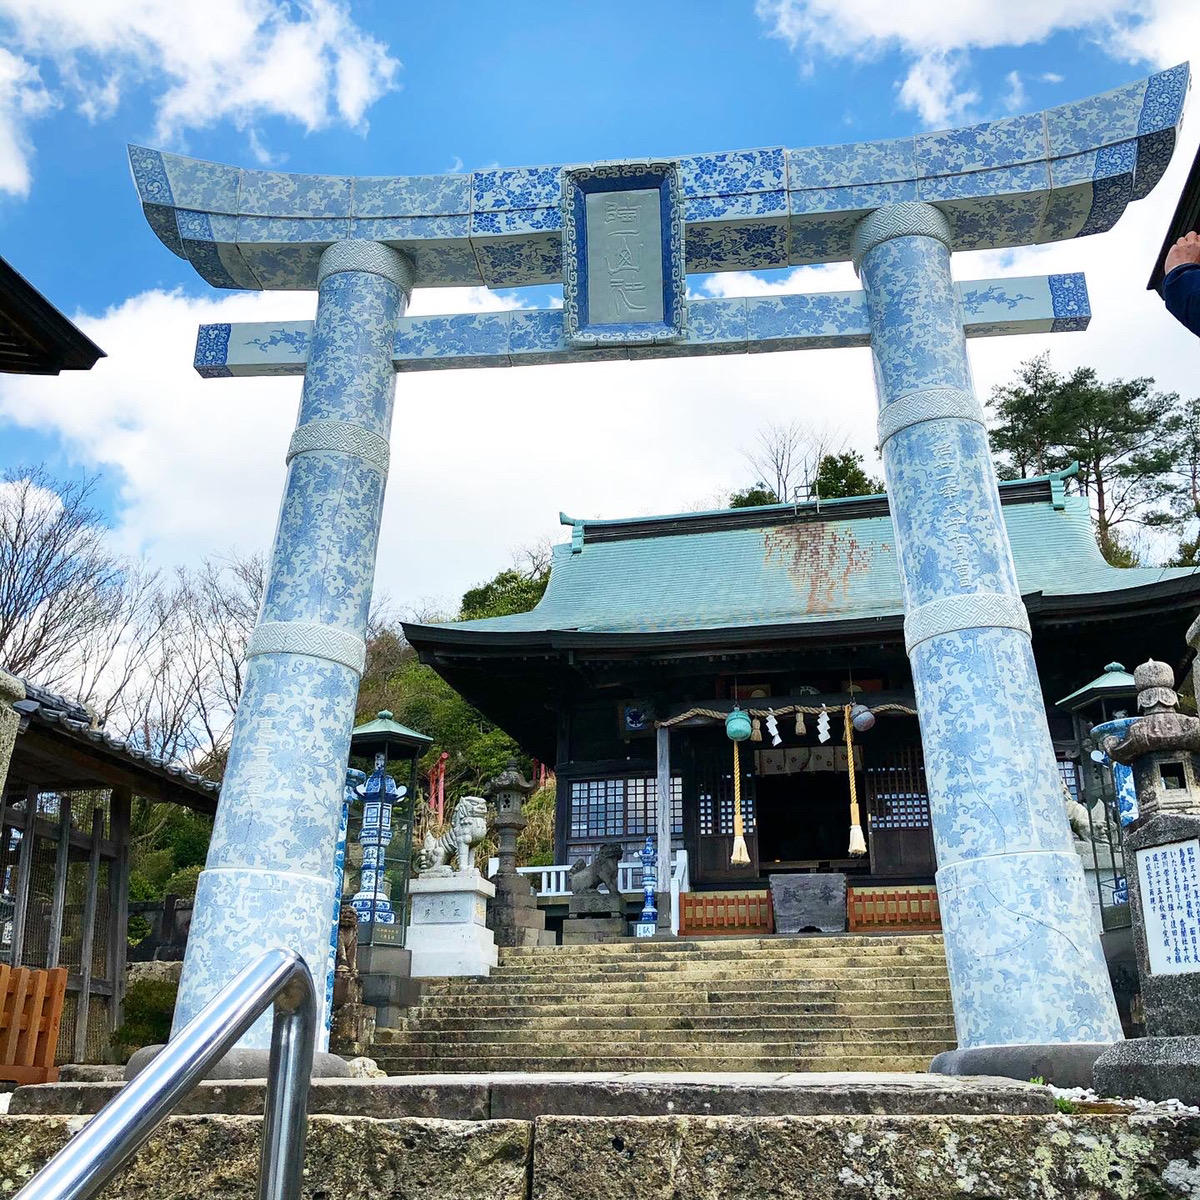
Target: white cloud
(934, 88)
(1051, 77)
(204, 61)
(22, 99)
(937, 37)
(1016, 97)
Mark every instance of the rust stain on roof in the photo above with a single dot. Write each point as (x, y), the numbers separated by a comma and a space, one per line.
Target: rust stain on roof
(821, 559)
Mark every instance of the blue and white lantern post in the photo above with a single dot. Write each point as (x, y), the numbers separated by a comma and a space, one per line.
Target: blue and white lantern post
(647, 923)
(373, 900)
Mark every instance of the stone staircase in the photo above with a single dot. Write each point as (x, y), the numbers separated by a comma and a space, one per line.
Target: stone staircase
(855, 1003)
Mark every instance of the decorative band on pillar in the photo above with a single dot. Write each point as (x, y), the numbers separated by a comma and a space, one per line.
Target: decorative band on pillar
(344, 437)
(910, 219)
(306, 637)
(367, 257)
(968, 610)
(929, 404)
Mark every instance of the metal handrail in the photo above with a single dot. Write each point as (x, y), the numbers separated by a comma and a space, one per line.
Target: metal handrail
(119, 1129)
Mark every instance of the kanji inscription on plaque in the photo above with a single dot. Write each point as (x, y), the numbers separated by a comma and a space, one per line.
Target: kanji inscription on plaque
(1169, 880)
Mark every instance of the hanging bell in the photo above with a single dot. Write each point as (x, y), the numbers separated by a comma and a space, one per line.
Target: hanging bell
(756, 730)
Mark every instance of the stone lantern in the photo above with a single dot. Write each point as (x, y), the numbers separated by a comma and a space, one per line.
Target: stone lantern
(1162, 857)
(513, 913)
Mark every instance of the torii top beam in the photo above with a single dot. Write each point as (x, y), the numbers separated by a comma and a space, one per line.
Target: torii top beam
(1048, 176)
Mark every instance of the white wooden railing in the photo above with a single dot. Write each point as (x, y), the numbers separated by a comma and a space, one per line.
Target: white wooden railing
(555, 880)
(679, 883)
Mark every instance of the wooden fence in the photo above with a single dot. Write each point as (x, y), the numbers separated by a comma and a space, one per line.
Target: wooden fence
(31, 1006)
(714, 913)
(911, 908)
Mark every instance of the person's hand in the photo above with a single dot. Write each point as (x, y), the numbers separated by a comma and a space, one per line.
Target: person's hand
(1186, 250)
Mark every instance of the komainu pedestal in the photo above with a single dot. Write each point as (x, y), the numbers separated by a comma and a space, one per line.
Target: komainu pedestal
(448, 933)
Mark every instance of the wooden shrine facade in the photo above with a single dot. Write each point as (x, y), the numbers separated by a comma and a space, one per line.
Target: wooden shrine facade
(652, 628)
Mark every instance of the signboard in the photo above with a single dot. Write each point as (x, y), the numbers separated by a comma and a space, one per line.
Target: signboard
(623, 269)
(1169, 880)
(645, 929)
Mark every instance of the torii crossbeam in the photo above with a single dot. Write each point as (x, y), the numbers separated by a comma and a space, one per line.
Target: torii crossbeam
(1028, 977)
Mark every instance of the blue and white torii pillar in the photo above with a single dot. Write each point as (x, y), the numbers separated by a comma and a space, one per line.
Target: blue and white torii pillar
(1029, 982)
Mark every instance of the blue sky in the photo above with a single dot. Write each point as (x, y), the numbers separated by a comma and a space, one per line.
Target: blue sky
(190, 467)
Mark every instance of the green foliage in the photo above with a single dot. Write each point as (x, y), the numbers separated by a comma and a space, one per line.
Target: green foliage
(419, 698)
(183, 882)
(1064, 1105)
(1131, 442)
(149, 1007)
(186, 834)
(511, 591)
(535, 846)
(753, 496)
(840, 475)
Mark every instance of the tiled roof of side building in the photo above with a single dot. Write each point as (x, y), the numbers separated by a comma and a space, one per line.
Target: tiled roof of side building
(794, 565)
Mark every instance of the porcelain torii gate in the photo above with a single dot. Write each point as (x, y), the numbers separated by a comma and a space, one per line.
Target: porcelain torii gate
(1026, 970)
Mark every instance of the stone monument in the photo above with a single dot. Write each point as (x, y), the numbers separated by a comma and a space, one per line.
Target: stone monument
(513, 913)
(1162, 862)
(809, 903)
(594, 915)
(448, 932)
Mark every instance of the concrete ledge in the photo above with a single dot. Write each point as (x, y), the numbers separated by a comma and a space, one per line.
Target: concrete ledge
(1067, 1064)
(519, 1096)
(1155, 1068)
(244, 1064)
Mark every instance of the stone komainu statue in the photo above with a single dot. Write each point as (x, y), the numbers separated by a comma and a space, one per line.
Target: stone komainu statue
(468, 827)
(603, 870)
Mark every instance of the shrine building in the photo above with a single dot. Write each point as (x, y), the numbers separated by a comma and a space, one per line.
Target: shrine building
(652, 628)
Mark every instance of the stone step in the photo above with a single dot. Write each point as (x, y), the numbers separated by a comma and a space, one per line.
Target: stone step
(631, 1048)
(512, 1095)
(715, 944)
(709, 1036)
(723, 970)
(734, 1010)
(569, 991)
(601, 953)
(474, 1064)
(478, 1026)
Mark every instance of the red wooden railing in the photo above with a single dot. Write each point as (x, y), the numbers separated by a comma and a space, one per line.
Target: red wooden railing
(31, 1005)
(713, 913)
(914, 907)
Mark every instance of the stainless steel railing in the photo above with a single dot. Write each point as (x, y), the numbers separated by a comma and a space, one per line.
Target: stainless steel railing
(112, 1137)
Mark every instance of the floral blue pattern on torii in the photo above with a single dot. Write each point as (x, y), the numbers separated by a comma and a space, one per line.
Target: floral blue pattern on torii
(728, 325)
(1062, 173)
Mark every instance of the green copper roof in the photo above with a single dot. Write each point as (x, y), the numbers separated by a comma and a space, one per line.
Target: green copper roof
(1115, 681)
(372, 733)
(792, 564)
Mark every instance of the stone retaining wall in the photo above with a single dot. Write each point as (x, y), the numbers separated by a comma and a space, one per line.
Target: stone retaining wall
(1060, 1157)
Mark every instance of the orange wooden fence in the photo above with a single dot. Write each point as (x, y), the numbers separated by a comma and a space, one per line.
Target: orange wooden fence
(708, 913)
(893, 908)
(31, 1005)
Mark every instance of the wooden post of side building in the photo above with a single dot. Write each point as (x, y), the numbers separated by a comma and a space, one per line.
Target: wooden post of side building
(24, 871)
(87, 946)
(62, 863)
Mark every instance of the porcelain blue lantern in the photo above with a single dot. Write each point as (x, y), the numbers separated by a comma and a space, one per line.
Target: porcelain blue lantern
(372, 902)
